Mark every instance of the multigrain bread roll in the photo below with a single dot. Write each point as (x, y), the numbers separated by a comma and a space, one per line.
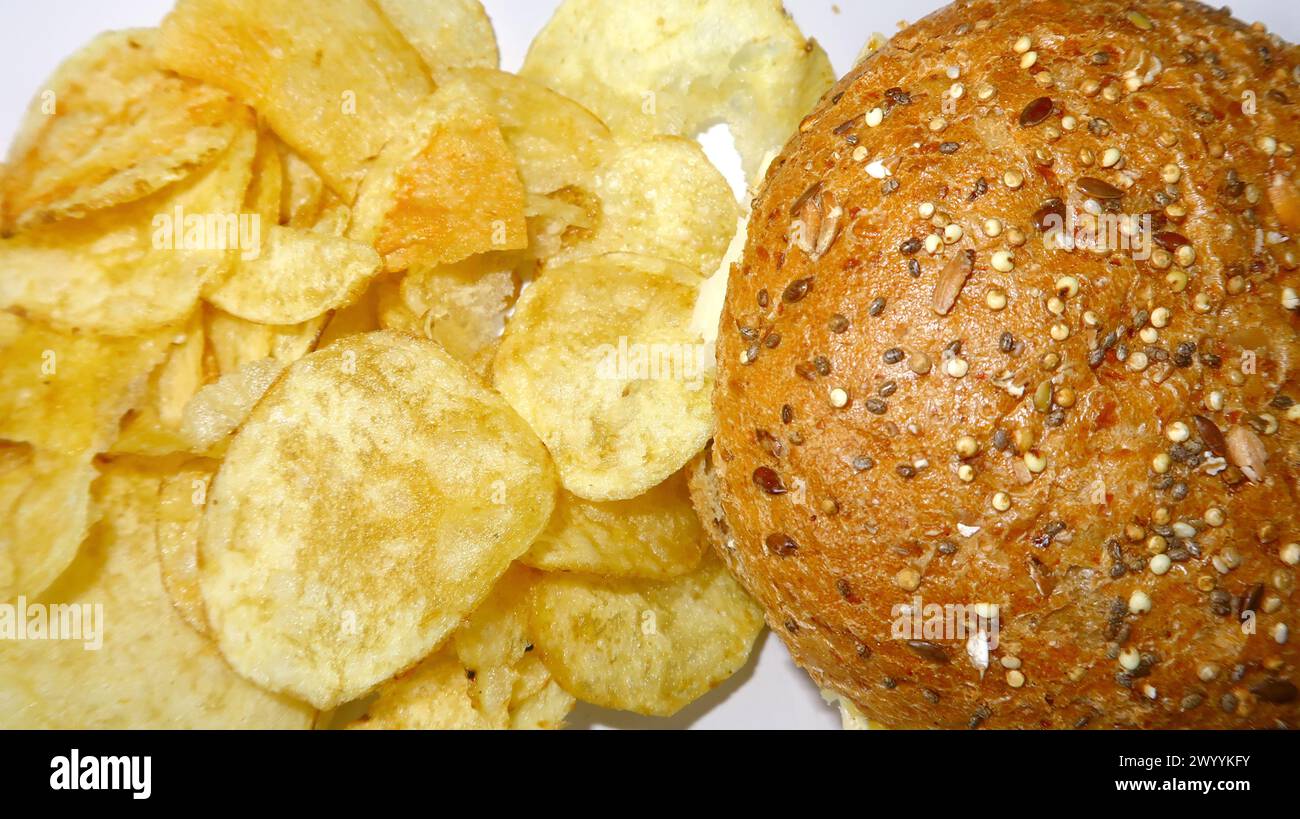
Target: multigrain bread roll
(928, 395)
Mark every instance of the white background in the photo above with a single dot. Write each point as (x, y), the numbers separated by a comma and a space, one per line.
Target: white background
(769, 692)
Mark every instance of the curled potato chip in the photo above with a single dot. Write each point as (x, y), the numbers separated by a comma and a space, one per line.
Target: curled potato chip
(650, 647)
(111, 127)
(334, 81)
(445, 189)
(556, 142)
(181, 498)
(447, 33)
(661, 197)
(302, 191)
(488, 677)
(44, 515)
(463, 306)
(265, 195)
(138, 266)
(66, 392)
(599, 359)
(496, 644)
(236, 342)
(433, 696)
(368, 504)
(653, 536)
(695, 62)
(152, 426)
(136, 664)
(297, 275)
(219, 408)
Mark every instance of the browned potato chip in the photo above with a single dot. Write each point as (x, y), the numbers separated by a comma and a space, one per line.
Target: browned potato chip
(296, 276)
(181, 498)
(600, 360)
(444, 190)
(368, 504)
(138, 266)
(556, 142)
(650, 647)
(44, 515)
(695, 62)
(111, 127)
(654, 536)
(335, 81)
(134, 663)
(66, 392)
(463, 306)
(447, 33)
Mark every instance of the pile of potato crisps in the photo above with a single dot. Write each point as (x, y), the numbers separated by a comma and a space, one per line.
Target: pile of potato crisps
(322, 349)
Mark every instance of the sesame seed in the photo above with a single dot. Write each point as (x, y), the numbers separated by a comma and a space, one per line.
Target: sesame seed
(1022, 44)
(1130, 659)
(967, 446)
(908, 579)
(1111, 157)
(1139, 602)
(860, 153)
(1010, 662)
(1028, 59)
(1035, 462)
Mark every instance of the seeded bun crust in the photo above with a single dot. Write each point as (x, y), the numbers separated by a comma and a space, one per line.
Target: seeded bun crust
(1068, 435)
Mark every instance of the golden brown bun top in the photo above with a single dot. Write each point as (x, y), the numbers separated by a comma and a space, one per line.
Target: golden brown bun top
(1135, 414)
